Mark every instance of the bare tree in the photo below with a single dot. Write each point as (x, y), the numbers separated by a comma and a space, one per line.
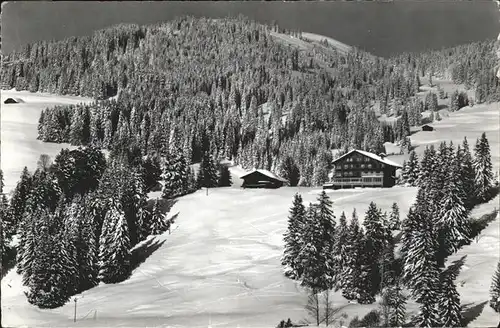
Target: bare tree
(44, 162)
(313, 307)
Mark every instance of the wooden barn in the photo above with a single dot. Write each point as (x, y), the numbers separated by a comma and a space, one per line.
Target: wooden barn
(262, 179)
(427, 127)
(360, 168)
(12, 101)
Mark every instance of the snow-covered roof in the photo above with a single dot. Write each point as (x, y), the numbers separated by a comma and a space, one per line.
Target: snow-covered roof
(372, 156)
(266, 173)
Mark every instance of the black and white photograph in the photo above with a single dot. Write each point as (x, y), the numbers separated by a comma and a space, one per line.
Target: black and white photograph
(250, 164)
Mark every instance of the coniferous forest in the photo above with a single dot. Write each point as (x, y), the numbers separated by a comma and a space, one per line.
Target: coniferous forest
(232, 89)
(189, 91)
(361, 260)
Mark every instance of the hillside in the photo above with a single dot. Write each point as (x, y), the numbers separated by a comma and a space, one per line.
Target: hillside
(221, 264)
(168, 99)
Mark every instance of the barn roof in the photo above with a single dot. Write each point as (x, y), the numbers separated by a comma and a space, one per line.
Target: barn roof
(266, 173)
(372, 156)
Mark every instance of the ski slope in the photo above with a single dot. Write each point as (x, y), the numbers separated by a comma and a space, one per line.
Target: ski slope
(221, 264)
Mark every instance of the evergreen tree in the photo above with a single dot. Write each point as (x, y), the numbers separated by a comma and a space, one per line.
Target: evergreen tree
(420, 269)
(495, 290)
(411, 170)
(450, 312)
(207, 174)
(352, 269)
(175, 175)
(427, 167)
(375, 228)
(224, 176)
(48, 281)
(397, 304)
(159, 223)
(312, 258)
(192, 184)
(394, 223)
(18, 201)
(483, 168)
(341, 250)
(369, 278)
(293, 239)
(467, 174)
(290, 171)
(114, 246)
(327, 220)
(452, 220)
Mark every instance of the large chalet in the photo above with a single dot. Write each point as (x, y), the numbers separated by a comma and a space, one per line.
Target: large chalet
(360, 168)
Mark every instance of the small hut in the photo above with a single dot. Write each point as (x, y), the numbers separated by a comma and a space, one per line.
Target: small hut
(13, 101)
(427, 127)
(262, 179)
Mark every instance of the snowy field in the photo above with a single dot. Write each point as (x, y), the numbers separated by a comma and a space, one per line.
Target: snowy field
(468, 122)
(222, 264)
(19, 123)
(220, 267)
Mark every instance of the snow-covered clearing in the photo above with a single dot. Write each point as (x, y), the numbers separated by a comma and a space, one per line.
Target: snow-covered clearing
(468, 122)
(222, 263)
(19, 123)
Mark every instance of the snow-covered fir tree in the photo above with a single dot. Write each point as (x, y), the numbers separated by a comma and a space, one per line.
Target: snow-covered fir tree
(159, 222)
(175, 174)
(394, 222)
(327, 220)
(420, 268)
(427, 166)
(49, 282)
(18, 201)
(352, 288)
(207, 174)
(450, 311)
(369, 278)
(293, 238)
(483, 168)
(466, 174)
(114, 246)
(312, 258)
(377, 236)
(495, 290)
(340, 249)
(452, 219)
(224, 176)
(411, 170)
(397, 304)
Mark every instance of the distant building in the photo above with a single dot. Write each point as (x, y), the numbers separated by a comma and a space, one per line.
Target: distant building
(262, 179)
(360, 168)
(427, 128)
(11, 101)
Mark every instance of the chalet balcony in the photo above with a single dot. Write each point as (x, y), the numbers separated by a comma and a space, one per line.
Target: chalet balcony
(366, 181)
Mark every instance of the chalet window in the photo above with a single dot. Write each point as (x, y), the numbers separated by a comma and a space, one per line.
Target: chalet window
(362, 166)
(346, 166)
(382, 165)
(369, 166)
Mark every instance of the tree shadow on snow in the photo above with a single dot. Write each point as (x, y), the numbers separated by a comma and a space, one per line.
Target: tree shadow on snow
(165, 204)
(471, 312)
(141, 253)
(478, 225)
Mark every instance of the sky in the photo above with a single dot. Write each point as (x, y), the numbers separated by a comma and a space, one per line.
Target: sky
(381, 28)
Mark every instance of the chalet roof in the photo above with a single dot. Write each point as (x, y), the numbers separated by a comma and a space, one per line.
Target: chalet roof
(372, 156)
(266, 173)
